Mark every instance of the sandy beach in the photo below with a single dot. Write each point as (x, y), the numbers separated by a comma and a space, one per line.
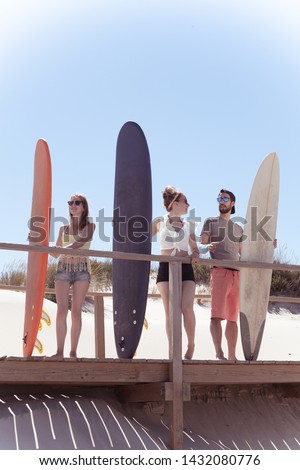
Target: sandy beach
(280, 341)
(227, 418)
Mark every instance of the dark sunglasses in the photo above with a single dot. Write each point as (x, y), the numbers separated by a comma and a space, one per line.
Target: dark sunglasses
(77, 203)
(225, 199)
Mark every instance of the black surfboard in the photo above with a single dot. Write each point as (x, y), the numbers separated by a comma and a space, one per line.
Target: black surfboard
(131, 234)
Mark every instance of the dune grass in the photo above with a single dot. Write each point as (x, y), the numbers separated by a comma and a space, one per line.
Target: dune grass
(284, 283)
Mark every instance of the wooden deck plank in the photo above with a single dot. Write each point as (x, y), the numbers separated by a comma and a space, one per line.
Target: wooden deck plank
(216, 372)
(87, 372)
(82, 372)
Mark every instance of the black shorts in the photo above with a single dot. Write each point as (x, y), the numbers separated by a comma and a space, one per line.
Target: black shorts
(187, 273)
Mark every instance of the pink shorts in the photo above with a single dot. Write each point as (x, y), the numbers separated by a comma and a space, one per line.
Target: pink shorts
(225, 294)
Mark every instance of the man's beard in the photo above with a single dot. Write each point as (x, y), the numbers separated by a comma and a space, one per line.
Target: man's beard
(224, 210)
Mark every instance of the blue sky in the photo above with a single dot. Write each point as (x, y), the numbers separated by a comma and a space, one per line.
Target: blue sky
(214, 84)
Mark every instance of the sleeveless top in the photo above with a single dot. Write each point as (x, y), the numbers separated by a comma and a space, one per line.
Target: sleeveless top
(69, 239)
(172, 239)
(74, 262)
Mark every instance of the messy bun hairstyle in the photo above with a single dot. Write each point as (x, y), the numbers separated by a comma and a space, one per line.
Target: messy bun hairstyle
(170, 195)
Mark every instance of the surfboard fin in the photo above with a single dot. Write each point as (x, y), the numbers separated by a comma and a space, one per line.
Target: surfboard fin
(46, 319)
(38, 345)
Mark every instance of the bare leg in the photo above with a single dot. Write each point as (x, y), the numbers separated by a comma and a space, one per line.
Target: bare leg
(216, 333)
(163, 288)
(187, 307)
(231, 333)
(80, 289)
(62, 299)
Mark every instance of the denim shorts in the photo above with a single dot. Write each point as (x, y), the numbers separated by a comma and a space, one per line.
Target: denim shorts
(64, 273)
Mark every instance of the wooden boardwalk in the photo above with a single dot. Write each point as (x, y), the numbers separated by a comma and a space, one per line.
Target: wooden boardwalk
(138, 381)
(95, 372)
(144, 380)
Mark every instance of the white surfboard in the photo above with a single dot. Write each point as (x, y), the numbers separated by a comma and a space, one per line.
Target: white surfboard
(258, 246)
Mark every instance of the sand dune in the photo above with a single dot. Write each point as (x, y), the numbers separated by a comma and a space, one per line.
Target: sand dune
(280, 340)
(235, 418)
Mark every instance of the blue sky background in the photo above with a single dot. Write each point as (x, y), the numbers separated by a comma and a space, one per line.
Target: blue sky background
(214, 84)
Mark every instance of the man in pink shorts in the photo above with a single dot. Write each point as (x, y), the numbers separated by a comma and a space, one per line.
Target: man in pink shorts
(225, 281)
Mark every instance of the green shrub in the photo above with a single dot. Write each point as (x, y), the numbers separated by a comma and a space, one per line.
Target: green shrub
(283, 283)
(50, 279)
(14, 274)
(101, 275)
(202, 274)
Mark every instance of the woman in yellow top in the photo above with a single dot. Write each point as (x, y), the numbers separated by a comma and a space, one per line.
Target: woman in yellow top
(72, 270)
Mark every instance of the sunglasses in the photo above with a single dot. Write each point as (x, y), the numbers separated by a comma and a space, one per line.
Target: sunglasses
(183, 201)
(77, 203)
(225, 199)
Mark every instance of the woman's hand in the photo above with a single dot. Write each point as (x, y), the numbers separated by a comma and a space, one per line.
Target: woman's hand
(195, 256)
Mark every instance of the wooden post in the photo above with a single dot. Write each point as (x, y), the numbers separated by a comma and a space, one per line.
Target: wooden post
(175, 355)
(99, 327)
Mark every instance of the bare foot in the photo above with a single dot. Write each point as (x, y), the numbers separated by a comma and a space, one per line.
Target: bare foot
(189, 353)
(221, 357)
(73, 355)
(57, 356)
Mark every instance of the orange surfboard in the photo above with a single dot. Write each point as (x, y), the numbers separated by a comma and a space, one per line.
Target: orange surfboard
(39, 236)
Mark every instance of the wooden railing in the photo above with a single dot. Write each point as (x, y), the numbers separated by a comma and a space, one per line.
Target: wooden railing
(174, 266)
(177, 392)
